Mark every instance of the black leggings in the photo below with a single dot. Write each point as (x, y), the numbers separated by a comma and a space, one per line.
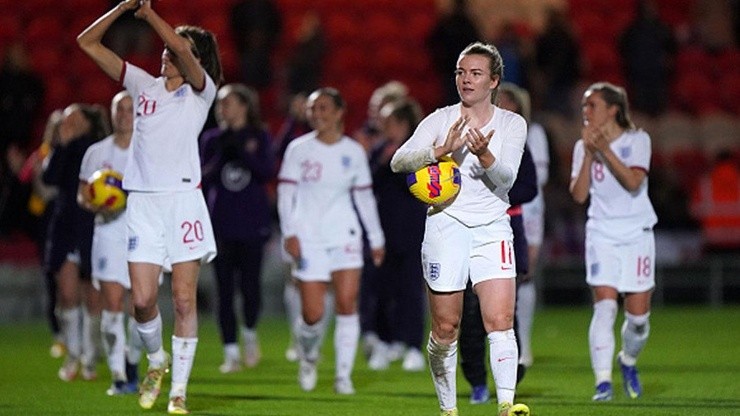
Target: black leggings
(238, 264)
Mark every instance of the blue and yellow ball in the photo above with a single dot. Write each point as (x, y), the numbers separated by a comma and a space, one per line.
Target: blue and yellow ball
(435, 184)
(105, 190)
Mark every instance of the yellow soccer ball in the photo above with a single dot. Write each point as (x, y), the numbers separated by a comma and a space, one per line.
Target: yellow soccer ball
(435, 184)
(105, 190)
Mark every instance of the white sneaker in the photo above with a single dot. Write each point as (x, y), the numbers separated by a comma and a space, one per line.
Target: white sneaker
(396, 351)
(344, 386)
(252, 353)
(526, 360)
(230, 366)
(291, 354)
(68, 370)
(369, 341)
(379, 357)
(307, 375)
(414, 360)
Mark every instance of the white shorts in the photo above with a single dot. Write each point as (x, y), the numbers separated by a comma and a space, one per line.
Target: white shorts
(318, 262)
(452, 253)
(169, 228)
(627, 267)
(533, 214)
(109, 257)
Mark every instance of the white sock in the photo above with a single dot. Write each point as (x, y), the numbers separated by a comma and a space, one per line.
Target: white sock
(504, 357)
(443, 365)
(71, 323)
(249, 334)
(90, 337)
(526, 300)
(151, 337)
(183, 355)
(113, 331)
(231, 351)
(308, 339)
(635, 332)
(346, 339)
(134, 344)
(292, 302)
(325, 320)
(601, 339)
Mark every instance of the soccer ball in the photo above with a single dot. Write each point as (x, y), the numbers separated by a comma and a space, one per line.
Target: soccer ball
(105, 190)
(435, 184)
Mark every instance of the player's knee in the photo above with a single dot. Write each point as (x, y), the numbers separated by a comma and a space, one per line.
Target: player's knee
(445, 332)
(639, 324)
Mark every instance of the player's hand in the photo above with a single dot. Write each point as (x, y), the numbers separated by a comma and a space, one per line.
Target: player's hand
(293, 247)
(378, 255)
(129, 4)
(145, 7)
(477, 142)
(455, 139)
(588, 134)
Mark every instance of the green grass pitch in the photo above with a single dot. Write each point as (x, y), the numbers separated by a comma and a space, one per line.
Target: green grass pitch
(690, 367)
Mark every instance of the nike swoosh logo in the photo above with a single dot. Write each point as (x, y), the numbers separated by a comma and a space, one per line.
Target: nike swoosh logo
(504, 359)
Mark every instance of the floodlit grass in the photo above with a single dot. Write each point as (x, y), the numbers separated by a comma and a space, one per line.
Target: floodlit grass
(690, 367)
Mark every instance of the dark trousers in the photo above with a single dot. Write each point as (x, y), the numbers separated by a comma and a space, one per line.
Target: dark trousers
(392, 299)
(238, 265)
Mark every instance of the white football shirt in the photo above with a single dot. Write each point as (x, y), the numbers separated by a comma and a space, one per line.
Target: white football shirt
(613, 212)
(322, 211)
(480, 201)
(534, 210)
(164, 146)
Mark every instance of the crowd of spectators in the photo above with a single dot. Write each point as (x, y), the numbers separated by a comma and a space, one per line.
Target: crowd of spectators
(546, 50)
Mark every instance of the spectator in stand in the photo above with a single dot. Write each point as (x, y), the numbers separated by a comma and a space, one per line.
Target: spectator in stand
(716, 204)
(69, 240)
(21, 95)
(392, 295)
(238, 162)
(305, 65)
(648, 47)
(256, 26)
(557, 64)
(453, 31)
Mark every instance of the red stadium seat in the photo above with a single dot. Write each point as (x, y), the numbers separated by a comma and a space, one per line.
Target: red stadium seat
(44, 29)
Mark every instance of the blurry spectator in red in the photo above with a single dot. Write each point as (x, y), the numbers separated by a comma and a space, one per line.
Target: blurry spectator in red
(557, 62)
(256, 27)
(305, 64)
(21, 95)
(453, 31)
(716, 204)
(647, 47)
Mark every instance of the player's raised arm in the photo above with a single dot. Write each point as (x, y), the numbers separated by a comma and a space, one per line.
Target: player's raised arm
(90, 40)
(183, 47)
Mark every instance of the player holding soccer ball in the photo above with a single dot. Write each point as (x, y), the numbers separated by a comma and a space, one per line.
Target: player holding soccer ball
(487, 143)
(167, 218)
(109, 267)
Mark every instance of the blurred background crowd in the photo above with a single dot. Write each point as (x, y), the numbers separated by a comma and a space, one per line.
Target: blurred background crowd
(678, 60)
